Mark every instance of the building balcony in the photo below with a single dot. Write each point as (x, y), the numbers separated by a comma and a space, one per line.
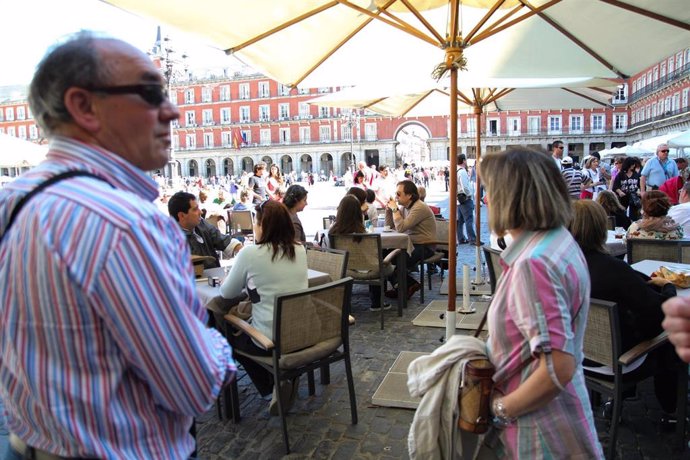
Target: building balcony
(661, 83)
(663, 116)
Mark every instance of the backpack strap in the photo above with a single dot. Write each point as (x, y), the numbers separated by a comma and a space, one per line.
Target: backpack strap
(47, 183)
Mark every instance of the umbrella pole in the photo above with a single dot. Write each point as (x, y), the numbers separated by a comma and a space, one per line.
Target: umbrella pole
(477, 195)
(453, 182)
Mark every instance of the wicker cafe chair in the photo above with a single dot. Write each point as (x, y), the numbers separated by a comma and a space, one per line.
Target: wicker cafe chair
(334, 263)
(310, 330)
(602, 344)
(493, 263)
(366, 264)
(438, 255)
(328, 221)
(245, 219)
(665, 250)
(611, 223)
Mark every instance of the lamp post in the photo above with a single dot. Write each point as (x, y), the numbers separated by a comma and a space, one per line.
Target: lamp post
(351, 120)
(173, 67)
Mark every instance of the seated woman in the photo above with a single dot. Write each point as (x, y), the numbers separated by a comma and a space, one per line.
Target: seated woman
(276, 264)
(639, 299)
(348, 220)
(655, 224)
(296, 200)
(608, 200)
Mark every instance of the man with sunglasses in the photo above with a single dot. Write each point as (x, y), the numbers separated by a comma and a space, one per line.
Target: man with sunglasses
(657, 170)
(104, 351)
(557, 149)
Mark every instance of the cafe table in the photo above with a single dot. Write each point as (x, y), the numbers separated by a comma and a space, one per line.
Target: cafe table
(616, 246)
(208, 293)
(650, 266)
(390, 239)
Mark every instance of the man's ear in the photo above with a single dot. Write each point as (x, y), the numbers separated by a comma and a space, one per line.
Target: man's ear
(80, 105)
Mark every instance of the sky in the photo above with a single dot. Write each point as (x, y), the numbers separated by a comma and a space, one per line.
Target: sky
(30, 27)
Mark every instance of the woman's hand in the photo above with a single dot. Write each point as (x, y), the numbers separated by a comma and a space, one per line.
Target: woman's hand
(677, 324)
(658, 281)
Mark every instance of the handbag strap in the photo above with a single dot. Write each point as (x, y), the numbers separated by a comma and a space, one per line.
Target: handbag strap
(47, 183)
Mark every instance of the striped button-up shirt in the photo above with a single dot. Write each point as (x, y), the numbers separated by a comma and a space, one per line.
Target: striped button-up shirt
(103, 348)
(545, 283)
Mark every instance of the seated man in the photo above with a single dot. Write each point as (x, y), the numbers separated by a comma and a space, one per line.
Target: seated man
(416, 219)
(203, 238)
(680, 213)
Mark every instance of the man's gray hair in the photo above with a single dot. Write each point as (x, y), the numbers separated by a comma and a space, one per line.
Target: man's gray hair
(74, 63)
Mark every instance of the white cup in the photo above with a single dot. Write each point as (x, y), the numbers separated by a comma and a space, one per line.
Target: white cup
(386, 228)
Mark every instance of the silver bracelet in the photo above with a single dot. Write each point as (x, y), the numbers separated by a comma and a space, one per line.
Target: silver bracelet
(501, 420)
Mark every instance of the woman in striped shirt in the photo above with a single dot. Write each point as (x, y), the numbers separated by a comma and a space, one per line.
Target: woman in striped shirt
(538, 313)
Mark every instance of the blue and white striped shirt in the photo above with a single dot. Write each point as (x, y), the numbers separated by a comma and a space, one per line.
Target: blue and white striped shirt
(103, 348)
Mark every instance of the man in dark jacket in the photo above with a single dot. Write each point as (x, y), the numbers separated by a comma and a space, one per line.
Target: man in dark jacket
(203, 238)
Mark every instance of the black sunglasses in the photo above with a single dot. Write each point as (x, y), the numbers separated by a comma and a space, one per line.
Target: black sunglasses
(664, 151)
(153, 94)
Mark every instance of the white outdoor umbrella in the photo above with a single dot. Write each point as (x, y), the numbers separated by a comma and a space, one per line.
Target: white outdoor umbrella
(680, 141)
(16, 153)
(342, 42)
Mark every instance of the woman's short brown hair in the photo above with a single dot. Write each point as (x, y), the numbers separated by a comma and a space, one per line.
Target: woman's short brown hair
(609, 201)
(525, 190)
(589, 225)
(655, 203)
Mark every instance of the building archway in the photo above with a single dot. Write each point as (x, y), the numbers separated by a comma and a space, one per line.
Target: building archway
(306, 164)
(228, 167)
(326, 161)
(412, 143)
(345, 162)
(268, 160)
(247, 165)
(210, 168)
(286, 164)
(193, 168)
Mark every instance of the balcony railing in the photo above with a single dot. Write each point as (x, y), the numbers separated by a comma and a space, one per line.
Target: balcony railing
(661, 82)
(667, 114)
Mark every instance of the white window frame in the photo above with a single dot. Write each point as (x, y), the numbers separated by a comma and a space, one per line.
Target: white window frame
(325, 133)
(283, 90)
(684, 97)
(33, 132)
(577, 124)
(370, 131)
(189, 96)
(207, 117)
(11, 131)
(206, 94)
(247, 136)
(245, 114)
(555, 124)
(21, 131)
(620, 122)
(225, 92)
(305, 134)
(284, 135)
(490, 133)
(21, 113)
(190, 141)
(190, 118)
(208, 140)
(304, 110)
(244, 91)
(226, 138)
(9, 114)
(225, 116)
(514, 126)
(264, 89)
(532, 121)
(471, 126)
(597, 123)
(324, 112)
(265, 136)
(265, 113)
(283, 111)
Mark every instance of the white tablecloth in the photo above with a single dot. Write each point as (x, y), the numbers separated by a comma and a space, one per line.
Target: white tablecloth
(649, 266)
(616, 246)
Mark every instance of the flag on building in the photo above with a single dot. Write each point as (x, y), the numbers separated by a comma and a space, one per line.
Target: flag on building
(237, 139)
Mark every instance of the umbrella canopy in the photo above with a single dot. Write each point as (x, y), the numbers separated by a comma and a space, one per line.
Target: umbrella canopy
(15, 153)
(335, 42)
(627, 150)
(652, 143)
(682, 140)
(495, 94)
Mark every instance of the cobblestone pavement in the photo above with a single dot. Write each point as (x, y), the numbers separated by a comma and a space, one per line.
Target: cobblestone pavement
(319, 426)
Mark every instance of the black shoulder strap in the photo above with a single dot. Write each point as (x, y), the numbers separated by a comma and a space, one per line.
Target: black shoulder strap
(47, 183)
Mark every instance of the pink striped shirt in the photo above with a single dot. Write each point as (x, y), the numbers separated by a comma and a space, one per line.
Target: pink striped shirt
(545, 283)
(104, 352)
